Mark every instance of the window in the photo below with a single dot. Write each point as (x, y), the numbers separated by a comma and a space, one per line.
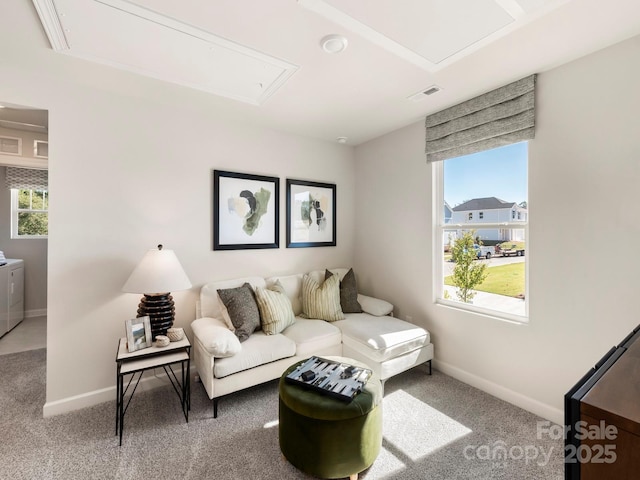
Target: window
(498, 242)
(40, 149)
(29, 213)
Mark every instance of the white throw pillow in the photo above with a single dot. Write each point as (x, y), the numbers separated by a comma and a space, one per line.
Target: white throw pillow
(216, 339)
(375, 306)
(225, 314)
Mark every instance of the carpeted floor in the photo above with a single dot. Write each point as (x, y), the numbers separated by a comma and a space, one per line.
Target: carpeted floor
(434, 428)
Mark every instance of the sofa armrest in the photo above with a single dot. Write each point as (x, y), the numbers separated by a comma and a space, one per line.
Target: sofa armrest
(374, 306)
(215, 337)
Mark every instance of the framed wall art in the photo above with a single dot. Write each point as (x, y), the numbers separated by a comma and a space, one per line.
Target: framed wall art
(311, 214)
(138, 333)
(245, 211)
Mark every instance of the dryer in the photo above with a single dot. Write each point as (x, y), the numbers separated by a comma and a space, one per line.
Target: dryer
(11, 294)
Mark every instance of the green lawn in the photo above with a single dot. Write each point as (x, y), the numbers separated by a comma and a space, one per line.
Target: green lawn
(505, 280)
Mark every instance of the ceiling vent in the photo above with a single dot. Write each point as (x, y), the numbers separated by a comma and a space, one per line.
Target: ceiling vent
(424, 93)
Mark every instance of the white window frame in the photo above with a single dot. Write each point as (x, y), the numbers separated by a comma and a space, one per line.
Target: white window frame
(439, 227)
(41, 149)
(6, 145)
(14, 215)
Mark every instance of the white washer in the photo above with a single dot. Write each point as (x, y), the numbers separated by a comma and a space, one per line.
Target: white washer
(11, 294)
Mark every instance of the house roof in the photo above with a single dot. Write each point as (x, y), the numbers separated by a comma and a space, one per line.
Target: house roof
(487, 203)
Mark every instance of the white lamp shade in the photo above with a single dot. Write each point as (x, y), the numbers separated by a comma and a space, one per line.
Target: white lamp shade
(158, 272)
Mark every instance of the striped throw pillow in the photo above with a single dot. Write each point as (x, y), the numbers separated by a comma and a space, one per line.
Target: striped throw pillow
(322, 302)
(276, 312)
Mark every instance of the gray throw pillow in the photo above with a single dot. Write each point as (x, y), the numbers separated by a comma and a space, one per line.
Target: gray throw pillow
(243, 309)
(348, 292)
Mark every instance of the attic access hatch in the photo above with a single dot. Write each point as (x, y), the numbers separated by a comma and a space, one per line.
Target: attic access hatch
(130, 37)
(430, 33)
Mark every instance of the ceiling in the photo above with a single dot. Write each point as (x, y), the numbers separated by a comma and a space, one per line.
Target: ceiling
(263, 61)
(18, 117)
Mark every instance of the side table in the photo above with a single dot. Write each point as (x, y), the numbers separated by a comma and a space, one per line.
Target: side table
(145, 359)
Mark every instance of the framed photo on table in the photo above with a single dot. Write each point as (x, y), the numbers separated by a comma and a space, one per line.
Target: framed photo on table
(311, 214)
(138, 333)
(245, 211)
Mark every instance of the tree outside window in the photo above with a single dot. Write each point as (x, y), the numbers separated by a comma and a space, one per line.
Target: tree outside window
(30, 213)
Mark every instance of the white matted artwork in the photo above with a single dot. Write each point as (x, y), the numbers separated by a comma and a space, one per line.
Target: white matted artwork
(245, 211)
(311, 214)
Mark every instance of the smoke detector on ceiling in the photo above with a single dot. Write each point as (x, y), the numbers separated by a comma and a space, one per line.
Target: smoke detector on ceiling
(334, 43)
(422, 94)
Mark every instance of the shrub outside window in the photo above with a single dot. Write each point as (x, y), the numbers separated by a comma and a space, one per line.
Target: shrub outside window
(29, 213)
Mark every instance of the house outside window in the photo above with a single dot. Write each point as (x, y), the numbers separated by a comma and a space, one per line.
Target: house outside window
(29, 213)
(501, 228)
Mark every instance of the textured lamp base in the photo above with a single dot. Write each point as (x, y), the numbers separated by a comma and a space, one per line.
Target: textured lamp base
(160, 309)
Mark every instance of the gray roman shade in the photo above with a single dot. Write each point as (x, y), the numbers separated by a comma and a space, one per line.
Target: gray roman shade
(27, 178)
(497, 118)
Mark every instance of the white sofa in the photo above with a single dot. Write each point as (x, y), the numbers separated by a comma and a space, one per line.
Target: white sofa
(387, 344)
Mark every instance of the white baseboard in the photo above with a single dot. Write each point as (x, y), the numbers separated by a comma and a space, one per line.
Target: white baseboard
(40, 312)
(534, 406)
(150, 382)
(89, 399)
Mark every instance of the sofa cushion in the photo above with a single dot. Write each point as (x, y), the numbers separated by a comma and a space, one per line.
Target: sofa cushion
(276, 312)
(218, 340)
(322, 302)
(257, 350)
(381, 338)
(243, 309)
(311, 336)
(348, 292)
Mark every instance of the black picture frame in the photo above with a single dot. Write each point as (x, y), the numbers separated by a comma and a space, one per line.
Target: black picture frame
(307, 226)
(246, 211)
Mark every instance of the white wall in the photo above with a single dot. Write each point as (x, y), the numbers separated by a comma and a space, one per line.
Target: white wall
(131, 163)
(130, 167)
(582, 299)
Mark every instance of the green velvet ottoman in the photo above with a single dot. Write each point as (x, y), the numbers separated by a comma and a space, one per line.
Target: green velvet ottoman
(328, 437)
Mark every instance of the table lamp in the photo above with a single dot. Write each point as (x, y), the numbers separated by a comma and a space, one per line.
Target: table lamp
(158, 273)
